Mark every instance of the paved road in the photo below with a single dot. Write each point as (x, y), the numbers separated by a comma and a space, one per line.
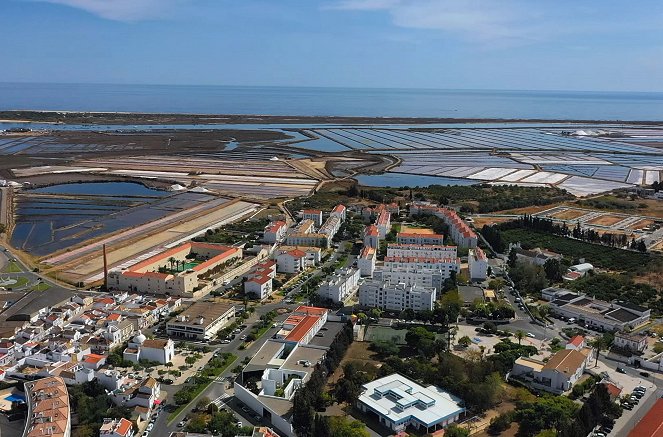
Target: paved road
(6, 255)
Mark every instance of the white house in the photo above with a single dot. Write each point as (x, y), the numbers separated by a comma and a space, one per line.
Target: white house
(630, 341)
(340, 286)
(421, 251)
(339, 211)
(477, 264)
(142, 348)
(396, 296)
(116, 428)
(399, 402)
(558, 375)
(383, 223)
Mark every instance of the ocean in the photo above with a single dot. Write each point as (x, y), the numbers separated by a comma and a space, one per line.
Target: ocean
(370, 102)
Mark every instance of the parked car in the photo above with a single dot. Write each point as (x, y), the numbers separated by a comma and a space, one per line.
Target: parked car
(530, 335)
(621, 370)
(150, 426)
(645, 374)
(181, 424)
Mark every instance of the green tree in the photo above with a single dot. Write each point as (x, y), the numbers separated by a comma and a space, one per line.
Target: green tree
(456, 431)
(464, 341)
(513, 258)
(554, 270)
(519, 335)
(340, 426)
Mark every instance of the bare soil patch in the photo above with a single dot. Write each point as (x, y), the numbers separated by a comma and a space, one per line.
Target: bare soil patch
(605, 220)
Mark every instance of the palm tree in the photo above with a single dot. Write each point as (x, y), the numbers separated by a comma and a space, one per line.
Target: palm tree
(520, 335)
(171, 260)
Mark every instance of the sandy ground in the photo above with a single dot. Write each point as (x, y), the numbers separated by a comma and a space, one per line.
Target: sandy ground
(605, 220)
(569, 214)
(641, 224)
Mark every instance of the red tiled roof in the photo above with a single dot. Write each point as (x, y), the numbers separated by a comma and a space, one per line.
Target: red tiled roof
(296, 253)
(425, 236)
(302, 328)
(577, 340)
(613, 390)
(310, 310)
(229, 252)
(339, 208)
(260, 279)
(274, 227)
(372, 230)
(652, 424)
(312, 211)
(93, 358)
(366, 251)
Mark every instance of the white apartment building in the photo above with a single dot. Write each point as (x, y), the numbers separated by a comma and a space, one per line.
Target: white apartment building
(259, 286)
(366, 261)
(331, 226)
(459, 231)
(339, 211)
(432, 278)
(290, 261)
(275, 232)
(372, 237)
(340, 286)
(477, 264)
(313, 214)
(396, 296)
(421, 251)
(383, 223)
(416, 238)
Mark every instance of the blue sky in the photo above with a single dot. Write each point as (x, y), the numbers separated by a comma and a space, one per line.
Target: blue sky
(605, 45)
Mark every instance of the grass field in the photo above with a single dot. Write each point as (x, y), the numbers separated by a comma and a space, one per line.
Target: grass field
(385, 333)
(42, 286)
(12, 267)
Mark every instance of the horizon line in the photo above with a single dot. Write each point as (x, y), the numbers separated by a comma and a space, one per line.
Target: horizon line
(333, 87)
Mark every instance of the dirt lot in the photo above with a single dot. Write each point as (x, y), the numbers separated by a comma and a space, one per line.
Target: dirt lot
(641, 224)
(569, 214)
(605, 220)
(358, 351)
(479, 222)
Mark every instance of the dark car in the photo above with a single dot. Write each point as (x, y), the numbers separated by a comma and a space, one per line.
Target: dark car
(621, 370)
(645, 374)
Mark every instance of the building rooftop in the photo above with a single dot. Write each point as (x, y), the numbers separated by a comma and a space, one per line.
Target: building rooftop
(577, 340)
(530, 362)
(651, 424)
(566, 361)
(302, 328)
(208, 312)
(48, 402)
(399, 398)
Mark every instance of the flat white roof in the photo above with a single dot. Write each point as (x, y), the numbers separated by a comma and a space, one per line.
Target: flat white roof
(399, 399)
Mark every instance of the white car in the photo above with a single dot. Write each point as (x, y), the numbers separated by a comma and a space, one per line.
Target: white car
(240, 424)
(530, 335)
(149, 427)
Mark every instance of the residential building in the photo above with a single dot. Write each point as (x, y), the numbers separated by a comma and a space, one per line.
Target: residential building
(396, 296)
(275, 232)
(180, 271)
(290, 261)
(366, 261)
(383, 223)
(459, 231)
(399, 403)
(259, 286)
(372, 237)
(116, 428)
(630, 342)
(201, 321)
(419, 238)
(598, 314)
(314, 215)
(331, 226)
(477, 263)
(421, 251)
(558, 375)
(308, 239)
(536, 256)
(258, 431)
(577, 343)
(339, 211)
(340, 286)
(48, 408)
(142, 348)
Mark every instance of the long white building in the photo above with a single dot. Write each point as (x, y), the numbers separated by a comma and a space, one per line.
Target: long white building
(459, 231)
(421, 250)
(340, 286)
(396, 296)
